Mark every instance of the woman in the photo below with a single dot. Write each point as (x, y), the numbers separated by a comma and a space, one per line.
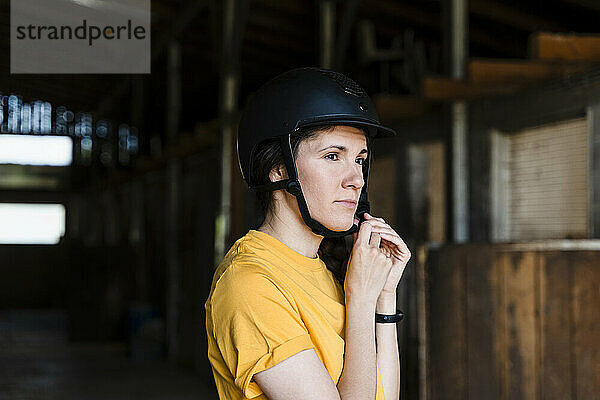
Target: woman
(282, 323)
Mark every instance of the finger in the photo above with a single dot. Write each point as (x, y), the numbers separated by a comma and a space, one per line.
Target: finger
(386, 250)
(364, 234)
(388, 236)
(375, 240)
(396, 244)
(385, 229)
(391, 235)
(370, 217)
(380, 223)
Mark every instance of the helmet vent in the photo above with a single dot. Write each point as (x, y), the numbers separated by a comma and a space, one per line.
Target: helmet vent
(346, 83)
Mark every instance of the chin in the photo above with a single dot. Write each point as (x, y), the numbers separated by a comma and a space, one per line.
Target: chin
(342, 224)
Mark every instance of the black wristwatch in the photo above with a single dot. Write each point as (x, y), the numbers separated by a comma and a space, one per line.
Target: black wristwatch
(388, 318)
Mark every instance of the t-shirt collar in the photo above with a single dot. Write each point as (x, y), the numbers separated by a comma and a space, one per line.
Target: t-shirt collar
(286, 252)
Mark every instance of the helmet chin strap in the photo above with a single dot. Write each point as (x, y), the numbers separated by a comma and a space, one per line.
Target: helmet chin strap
(292, 186)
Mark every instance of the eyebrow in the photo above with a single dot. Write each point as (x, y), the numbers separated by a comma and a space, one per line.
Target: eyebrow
(342, 148)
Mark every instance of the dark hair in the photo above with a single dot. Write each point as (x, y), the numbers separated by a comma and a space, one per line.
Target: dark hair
(334, 252)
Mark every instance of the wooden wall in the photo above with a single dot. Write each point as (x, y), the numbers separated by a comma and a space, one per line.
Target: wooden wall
(512, 321)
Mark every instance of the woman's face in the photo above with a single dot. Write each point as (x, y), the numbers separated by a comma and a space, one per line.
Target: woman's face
(329, 168)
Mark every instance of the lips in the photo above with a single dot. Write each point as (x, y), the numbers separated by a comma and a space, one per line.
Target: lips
(347, 203)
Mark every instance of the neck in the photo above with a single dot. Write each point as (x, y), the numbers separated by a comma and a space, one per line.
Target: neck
(291, 230)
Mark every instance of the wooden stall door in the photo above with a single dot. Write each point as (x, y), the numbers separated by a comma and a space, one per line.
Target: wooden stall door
(512, 324)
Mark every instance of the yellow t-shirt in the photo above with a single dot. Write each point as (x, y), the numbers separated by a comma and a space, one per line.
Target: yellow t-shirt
(267, 303)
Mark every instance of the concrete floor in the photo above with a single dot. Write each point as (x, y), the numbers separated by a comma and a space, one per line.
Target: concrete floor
(93, 371)
(41, 365)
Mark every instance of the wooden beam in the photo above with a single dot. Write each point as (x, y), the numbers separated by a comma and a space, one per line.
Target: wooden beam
(489, 72)
(394, 107)
(564, 47)
(493, 77)
(443, 89)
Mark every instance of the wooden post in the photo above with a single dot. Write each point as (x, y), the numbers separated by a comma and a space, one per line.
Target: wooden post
(235, 14)
(594, 170)
(422, 317)
(173, 207)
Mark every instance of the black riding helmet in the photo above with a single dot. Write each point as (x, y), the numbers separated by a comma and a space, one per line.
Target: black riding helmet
(300, 98)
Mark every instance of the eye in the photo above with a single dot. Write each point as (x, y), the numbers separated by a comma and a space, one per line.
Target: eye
(360, 160)
(328, 156)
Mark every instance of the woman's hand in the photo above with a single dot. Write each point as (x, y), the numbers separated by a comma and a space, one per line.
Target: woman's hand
(392, 246)
(368, 267)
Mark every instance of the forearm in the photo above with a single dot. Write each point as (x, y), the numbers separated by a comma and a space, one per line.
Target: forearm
(388, 357)
(358, 380)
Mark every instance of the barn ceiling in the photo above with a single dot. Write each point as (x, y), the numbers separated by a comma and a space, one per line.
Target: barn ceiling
(282, 34)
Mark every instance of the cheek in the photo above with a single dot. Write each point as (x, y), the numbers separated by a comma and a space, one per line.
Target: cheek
(318, 184)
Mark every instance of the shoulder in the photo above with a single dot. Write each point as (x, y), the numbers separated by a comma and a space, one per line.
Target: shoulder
(247, 282)
(245, 275)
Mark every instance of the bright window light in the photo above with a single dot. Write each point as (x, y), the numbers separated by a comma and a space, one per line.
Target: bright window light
(36, 150)
(31, 223)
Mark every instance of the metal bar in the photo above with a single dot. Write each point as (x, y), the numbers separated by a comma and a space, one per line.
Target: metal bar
(459, 38)
(458, 54)
(344, 34)
(460, 172)
(326, 33)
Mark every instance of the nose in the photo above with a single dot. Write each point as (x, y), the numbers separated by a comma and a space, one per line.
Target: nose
(354, 177)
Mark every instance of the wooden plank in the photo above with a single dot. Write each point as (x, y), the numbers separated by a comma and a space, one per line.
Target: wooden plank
(517, 343)
(422, 276)
(501, 263)
(448, 324)
(586, 324)
(438, 88)
(484, 381)
(567, 47)
(490, 72)
(594, 172)
(555, 323)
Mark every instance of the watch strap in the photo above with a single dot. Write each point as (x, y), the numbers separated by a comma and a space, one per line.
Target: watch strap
(389, 318)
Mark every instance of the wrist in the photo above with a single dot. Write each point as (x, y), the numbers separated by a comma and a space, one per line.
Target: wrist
(360, 305)
(386, 303)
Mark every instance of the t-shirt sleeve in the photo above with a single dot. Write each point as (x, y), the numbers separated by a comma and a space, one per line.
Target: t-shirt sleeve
(255, 325)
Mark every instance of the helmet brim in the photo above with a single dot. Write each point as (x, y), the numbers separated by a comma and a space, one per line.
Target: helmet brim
(373, 129)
